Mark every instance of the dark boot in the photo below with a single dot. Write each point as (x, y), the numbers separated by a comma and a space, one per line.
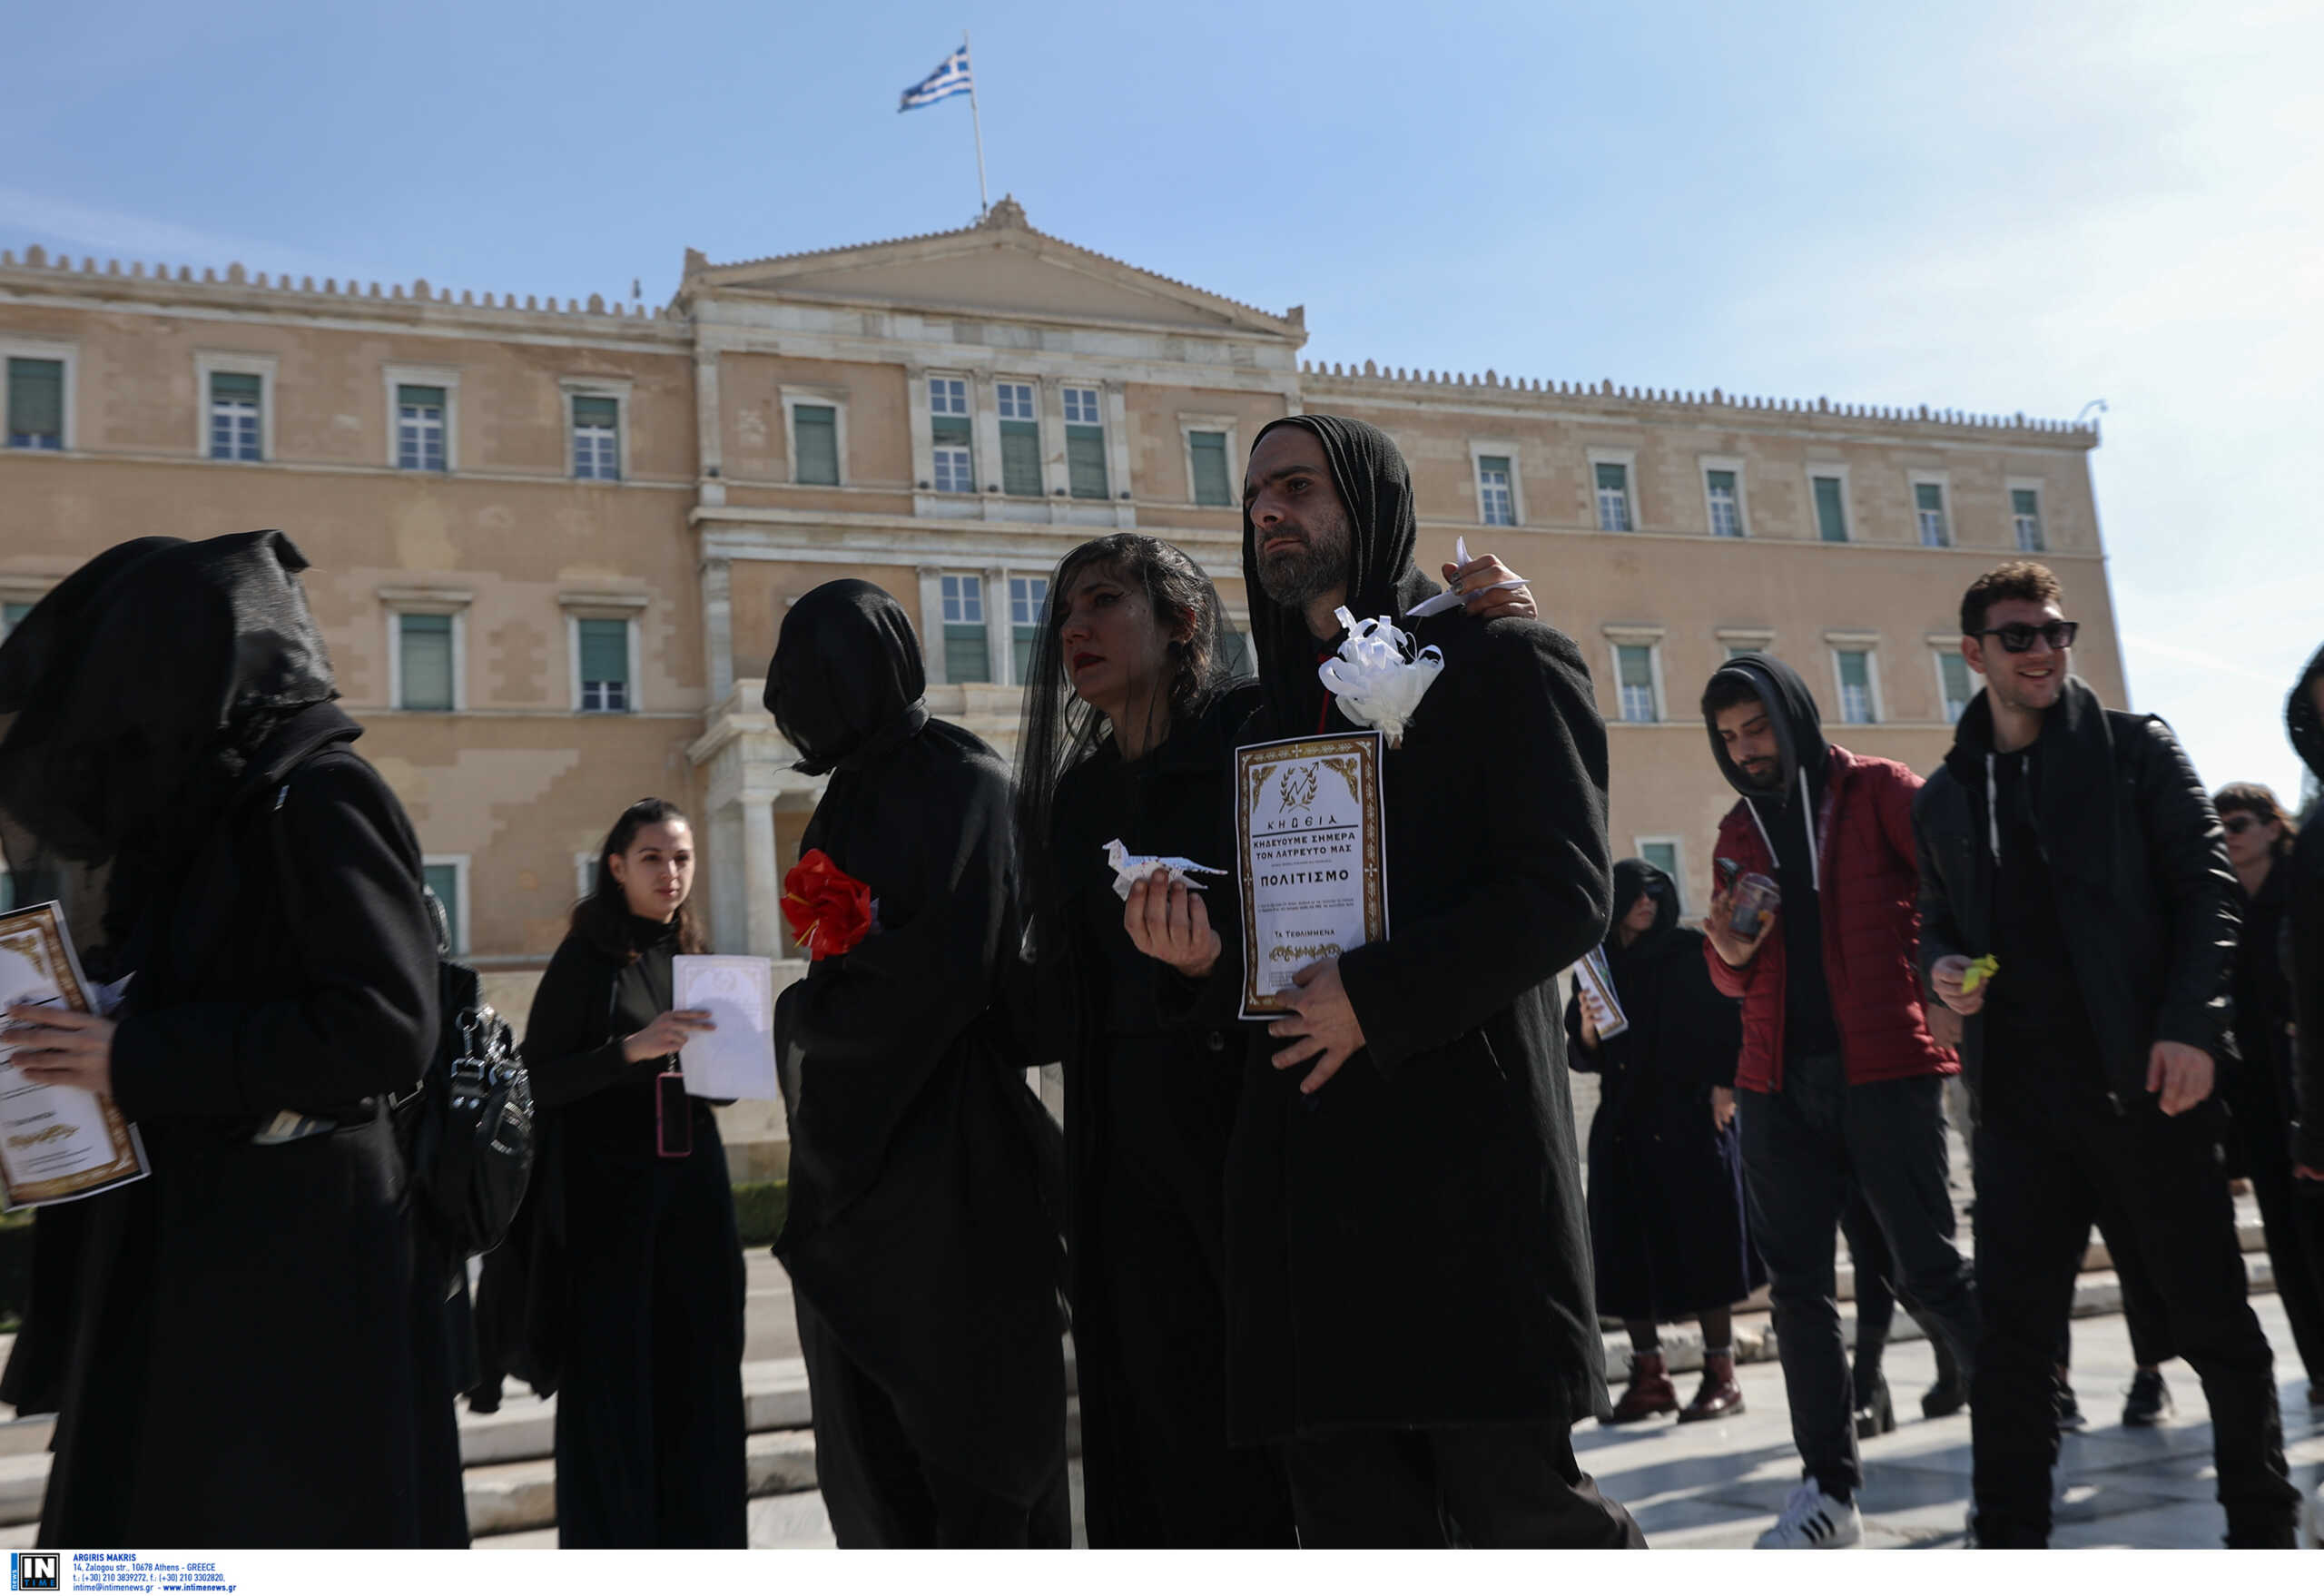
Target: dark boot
(1720, 1395)
(1950, 1395)
(1875, 1414)
(1651, 1391)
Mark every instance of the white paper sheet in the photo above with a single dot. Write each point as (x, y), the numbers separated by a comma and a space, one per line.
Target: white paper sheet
(737, 1060)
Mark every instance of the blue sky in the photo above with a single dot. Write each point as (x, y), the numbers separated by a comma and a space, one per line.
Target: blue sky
(1989, 206)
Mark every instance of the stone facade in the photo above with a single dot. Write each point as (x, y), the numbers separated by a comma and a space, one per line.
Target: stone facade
(946, 416)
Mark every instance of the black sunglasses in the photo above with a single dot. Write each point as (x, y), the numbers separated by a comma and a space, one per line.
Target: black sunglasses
(2236, 824)
(2018, 636)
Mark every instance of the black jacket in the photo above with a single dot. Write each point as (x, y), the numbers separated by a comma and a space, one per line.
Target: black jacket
(2304, 913)
(2139, 865)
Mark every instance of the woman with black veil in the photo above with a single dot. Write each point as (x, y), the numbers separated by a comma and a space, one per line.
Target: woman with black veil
(239, 1349)
(921, 1233)
(1131, 717)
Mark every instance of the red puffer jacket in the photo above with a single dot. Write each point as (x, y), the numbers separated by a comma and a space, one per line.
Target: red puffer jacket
(1871, 884)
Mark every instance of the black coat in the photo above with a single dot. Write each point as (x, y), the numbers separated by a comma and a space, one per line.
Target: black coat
(1409, 1245)
(248, 1356)
(1667, 1229)
(924, 1223)
(2139, 865)
(2304, 919)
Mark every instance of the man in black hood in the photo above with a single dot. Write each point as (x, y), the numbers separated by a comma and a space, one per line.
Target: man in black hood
(2073, 848)
(2304, 917)
(1840, 1081)
(921, 1235)
(1411, 1121)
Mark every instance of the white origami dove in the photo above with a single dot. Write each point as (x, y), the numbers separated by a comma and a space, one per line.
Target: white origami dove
(1129, 869)
(1376, 682)
(1452, 597)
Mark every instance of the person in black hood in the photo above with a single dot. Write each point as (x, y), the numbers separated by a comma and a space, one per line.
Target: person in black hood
(1666, 1186)
(2304, 921)
(2073, 847)
(1413, 1114)
(1840, 1084)
(922, 1235)
(239, 1349)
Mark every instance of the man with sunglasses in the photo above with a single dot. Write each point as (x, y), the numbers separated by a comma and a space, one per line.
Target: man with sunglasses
(2073, 846)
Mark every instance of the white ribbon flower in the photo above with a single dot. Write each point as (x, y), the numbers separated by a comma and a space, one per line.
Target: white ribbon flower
(1129, 869)
(1376, 677)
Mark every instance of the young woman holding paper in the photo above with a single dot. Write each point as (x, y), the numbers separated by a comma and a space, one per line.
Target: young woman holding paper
(1131, 719)
(635, 1288)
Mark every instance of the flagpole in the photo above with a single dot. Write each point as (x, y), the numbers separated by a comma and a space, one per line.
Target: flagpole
(976, 122)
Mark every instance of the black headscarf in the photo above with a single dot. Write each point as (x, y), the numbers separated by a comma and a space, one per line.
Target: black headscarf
(2304, 726)
(136, 693)
(1370, 474)
(1635, 879)
(846, 680)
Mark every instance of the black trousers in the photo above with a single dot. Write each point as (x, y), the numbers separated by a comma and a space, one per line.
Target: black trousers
(649, 1412)
(1502, 1485)
(2156, 1186)
(1803, 1149)
(2293, 1225)
(878, 1489)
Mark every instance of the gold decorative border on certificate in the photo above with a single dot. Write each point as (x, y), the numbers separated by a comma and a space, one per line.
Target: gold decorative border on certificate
(37, 935)
(1353, 756)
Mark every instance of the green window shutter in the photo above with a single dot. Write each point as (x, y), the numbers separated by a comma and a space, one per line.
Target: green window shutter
(411, 393)
(1085, 461)
(1212, 484)
(815, 444)
(444, 880)
(1831, 516)
(1021, 459)
(233, 385)
(1958, 689)
(1853, 670)
(605, 651)
(35, 399)
(1663, 856)
(1021, 650)
(2024, 501)
(10, 615)
(967, 657)
(593, 410)
(953, 430)
(426, 643)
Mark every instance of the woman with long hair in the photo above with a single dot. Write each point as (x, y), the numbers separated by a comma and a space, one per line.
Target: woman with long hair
(239, 1349)
(637, 1270)
(1131, 717)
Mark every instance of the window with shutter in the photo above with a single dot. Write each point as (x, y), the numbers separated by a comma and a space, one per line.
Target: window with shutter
(35, 396)
(1663, 856)
(425, 667)
(1085, 443)
(1021, 440)
(1496, 505)
(1726, 505)
(1613, 497)
(2026, 511)
(1212, 482)
(420, 428)
(815, 444)
(1028, 597)
(604, 667)
(444, 880)
(1855, 686)
(1634, 674)
(1953, 673)
(1831, 511)
(968, 654)
(596, 438)
(234, 398)
(1928, 505)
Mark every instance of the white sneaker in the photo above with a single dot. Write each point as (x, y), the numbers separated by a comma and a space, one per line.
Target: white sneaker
(1813, 1521)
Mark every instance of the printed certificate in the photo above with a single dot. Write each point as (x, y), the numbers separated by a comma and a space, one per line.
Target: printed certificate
(57, 1142)
(1596, 984)
(737, 1060)
(1315, 876)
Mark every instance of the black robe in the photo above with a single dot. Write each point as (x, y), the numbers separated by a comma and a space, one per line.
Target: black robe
(247, 1348)
(2304, 919)
(635, 1270)
(252, 1356)
(1149, 1103)
(1408, 1246)
(1667, 1227)
(922, 1230)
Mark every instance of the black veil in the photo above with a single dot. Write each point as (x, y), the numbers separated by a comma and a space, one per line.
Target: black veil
(1059, 732)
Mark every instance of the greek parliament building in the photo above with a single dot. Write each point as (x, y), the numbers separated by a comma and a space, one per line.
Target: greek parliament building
(552, 544)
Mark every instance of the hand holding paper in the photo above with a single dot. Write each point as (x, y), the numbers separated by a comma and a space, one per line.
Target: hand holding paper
(736, 1059)
(1129, 869)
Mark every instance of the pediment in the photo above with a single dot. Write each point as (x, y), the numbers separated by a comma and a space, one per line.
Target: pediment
(999, 268)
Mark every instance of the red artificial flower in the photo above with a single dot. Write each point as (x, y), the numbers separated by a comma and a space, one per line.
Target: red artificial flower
(829, 910)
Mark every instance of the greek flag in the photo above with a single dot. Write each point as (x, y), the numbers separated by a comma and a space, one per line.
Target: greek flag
(951, 78)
